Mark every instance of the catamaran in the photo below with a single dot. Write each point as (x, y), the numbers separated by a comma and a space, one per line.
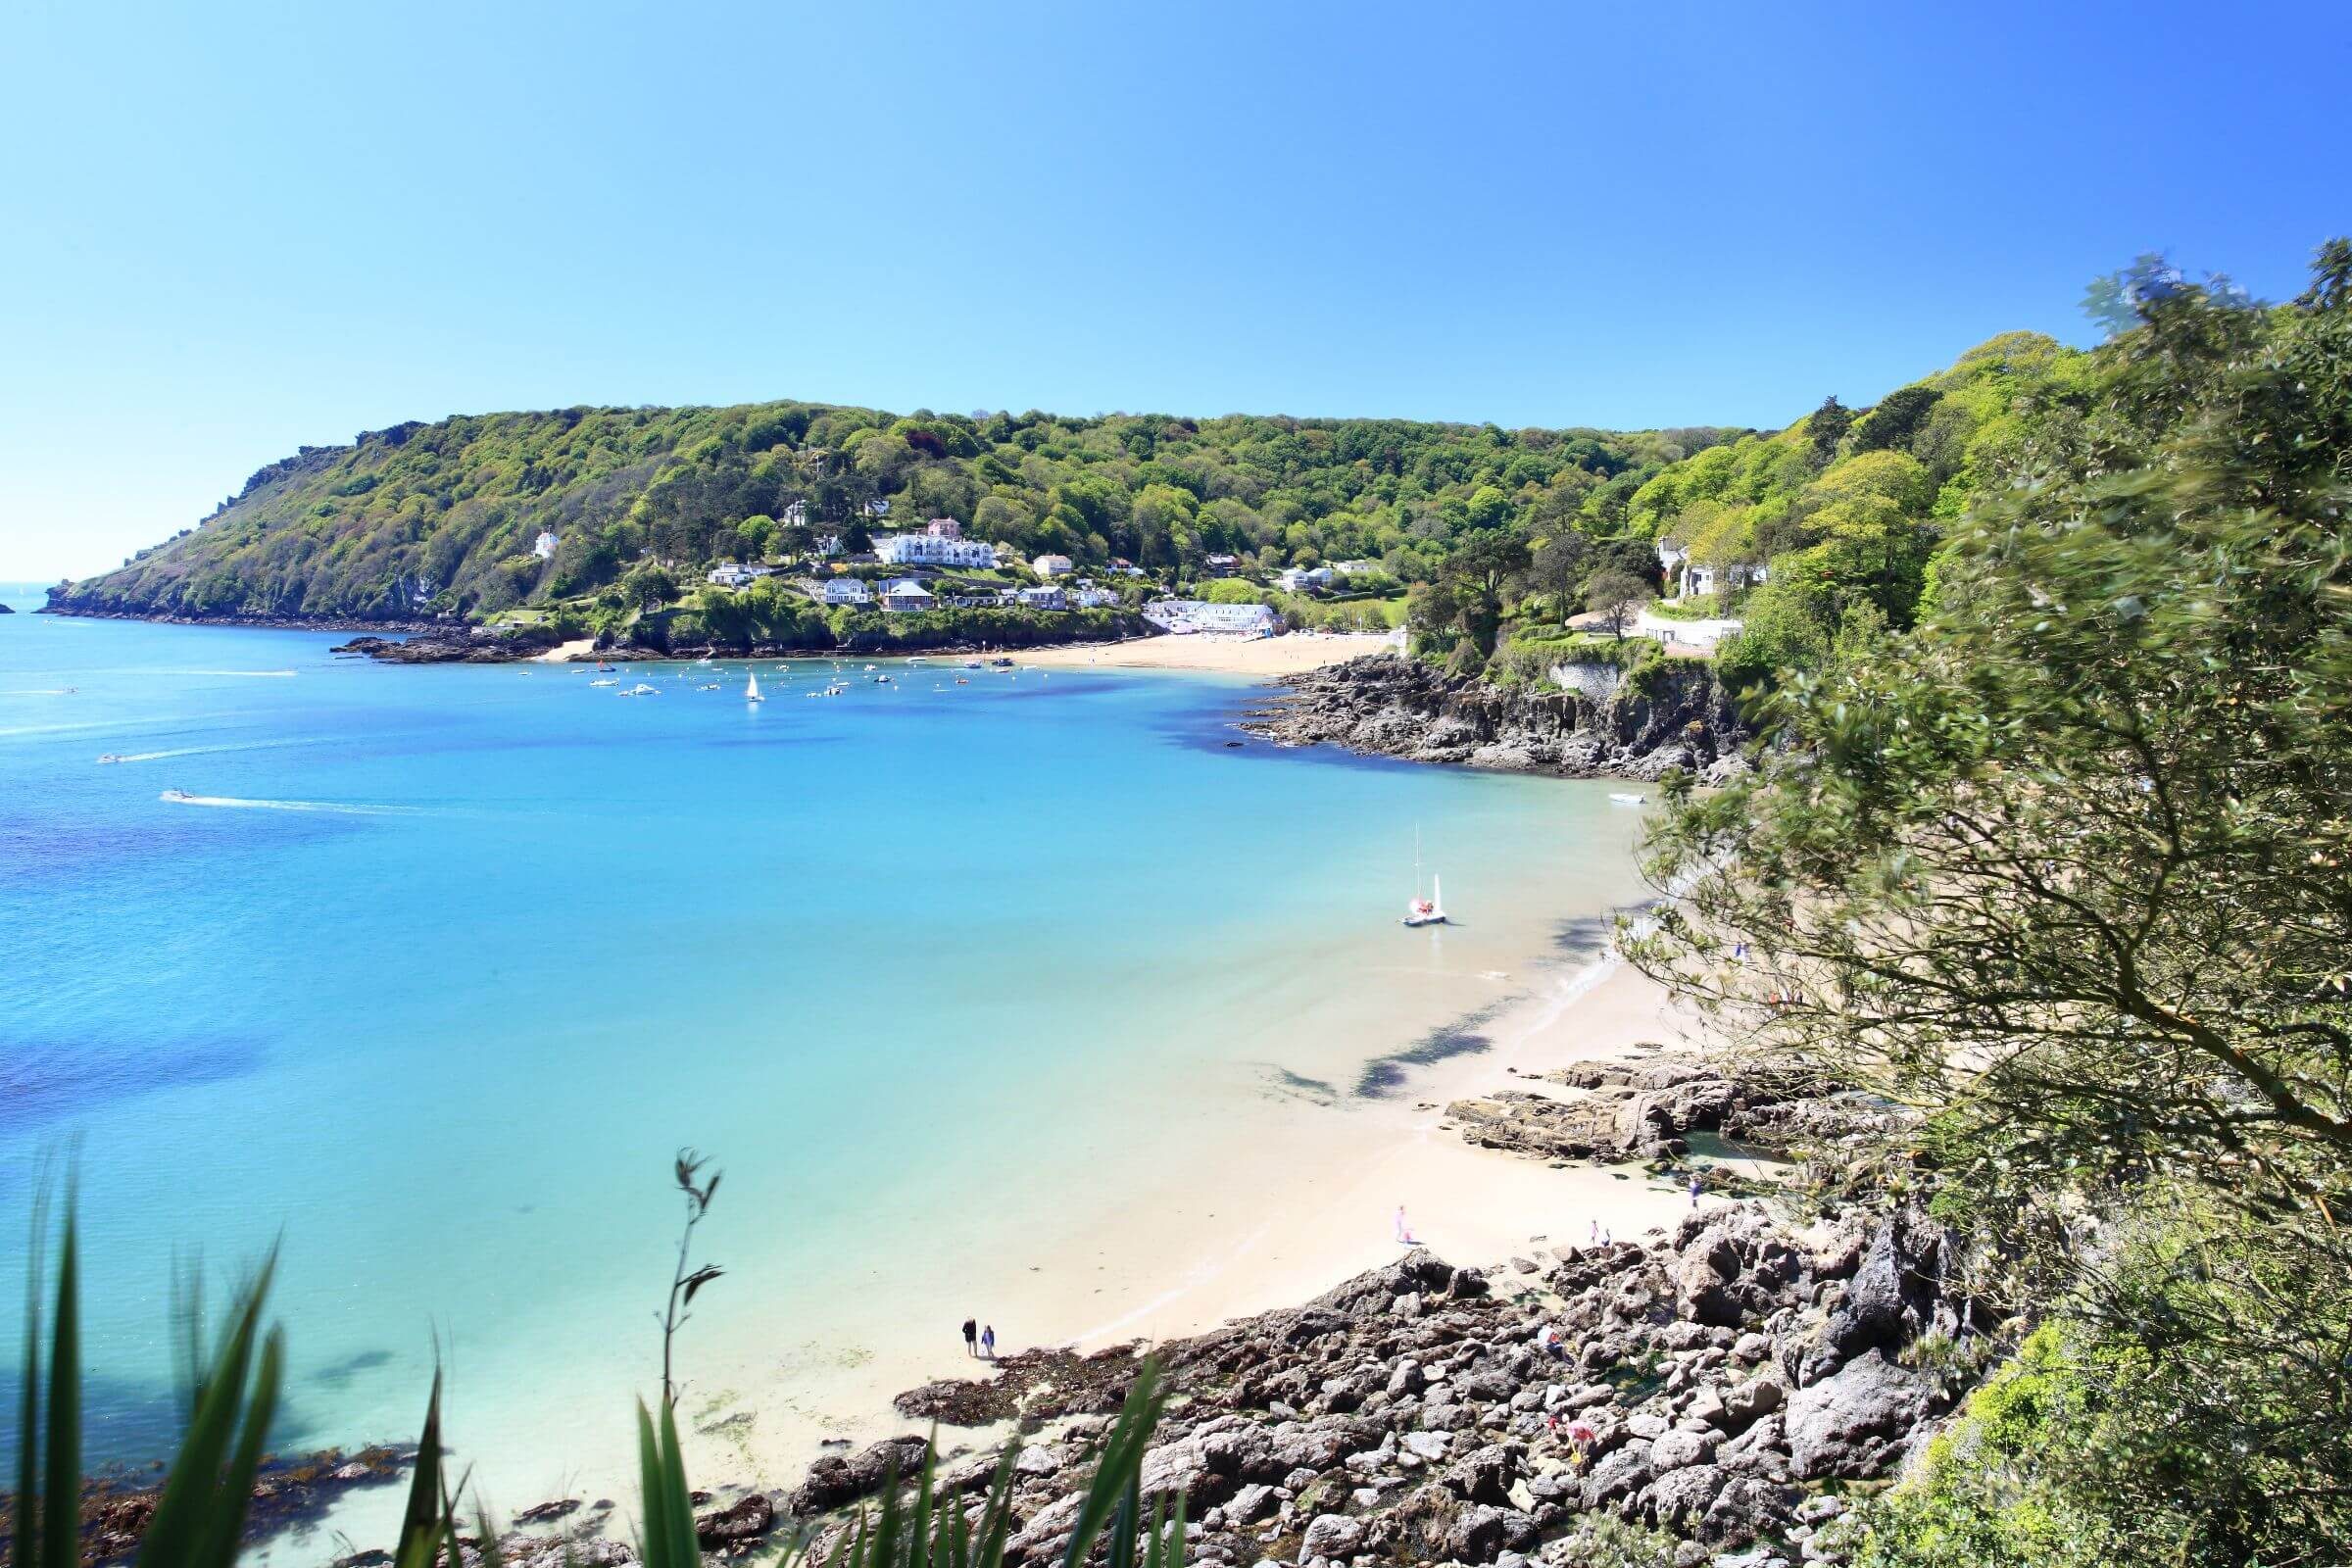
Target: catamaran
(1419, 911)
(750, 691)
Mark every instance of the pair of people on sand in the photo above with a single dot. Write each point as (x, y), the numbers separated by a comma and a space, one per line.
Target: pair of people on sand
(979, 1342)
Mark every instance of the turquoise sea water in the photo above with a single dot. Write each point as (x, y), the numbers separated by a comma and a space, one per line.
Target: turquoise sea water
(448, 962)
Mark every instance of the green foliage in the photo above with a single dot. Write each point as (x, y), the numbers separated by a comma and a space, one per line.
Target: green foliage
(441, 518)
(2065, 866)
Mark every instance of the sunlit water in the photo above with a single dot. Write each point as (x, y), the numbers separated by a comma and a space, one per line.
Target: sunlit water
(441, 965)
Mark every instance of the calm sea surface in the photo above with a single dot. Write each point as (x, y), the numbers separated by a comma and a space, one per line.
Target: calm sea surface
(442, 964)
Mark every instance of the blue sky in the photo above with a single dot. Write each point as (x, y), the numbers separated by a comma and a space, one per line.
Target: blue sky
(227, 231)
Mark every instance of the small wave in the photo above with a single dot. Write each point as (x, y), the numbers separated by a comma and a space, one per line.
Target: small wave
(202, 750)
(42, 691)
(337, 808)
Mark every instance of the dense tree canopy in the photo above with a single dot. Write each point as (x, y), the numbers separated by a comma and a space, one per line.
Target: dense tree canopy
(444, 516)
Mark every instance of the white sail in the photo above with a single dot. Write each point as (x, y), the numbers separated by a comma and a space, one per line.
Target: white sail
(1437, 895)
(751, 693)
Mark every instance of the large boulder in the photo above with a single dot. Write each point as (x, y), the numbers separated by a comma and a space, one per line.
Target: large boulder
(747, 1520)
(836, 1481)
(1856, 1423)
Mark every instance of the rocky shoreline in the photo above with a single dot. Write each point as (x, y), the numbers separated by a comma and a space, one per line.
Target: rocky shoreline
(1732, 1383)
(1609, 726)
(287, 1492)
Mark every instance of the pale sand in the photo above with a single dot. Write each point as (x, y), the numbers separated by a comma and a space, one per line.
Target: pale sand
(566, 653)
(1232, 656)
(1271, 1209)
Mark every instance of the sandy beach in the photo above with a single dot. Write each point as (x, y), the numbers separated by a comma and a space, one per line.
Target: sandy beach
(1232, 656)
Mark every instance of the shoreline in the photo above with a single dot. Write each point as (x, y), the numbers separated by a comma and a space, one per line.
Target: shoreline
(1315, 1191)
(1289, 655)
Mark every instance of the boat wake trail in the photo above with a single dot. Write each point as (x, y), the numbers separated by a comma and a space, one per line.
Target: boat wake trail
(336, 807)
(201, 751)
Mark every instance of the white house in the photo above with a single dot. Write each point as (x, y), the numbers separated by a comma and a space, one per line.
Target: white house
(1051, 566)
(544, 547)
(878, 506)
(1089, 595)
(727, 574)
(844, 591)
(1185, 616)
(1356, 568)
(934, 550)
(1048, 597)
(795, 516)
(908, 593)
(827, 546)
(1303, 579)
(1698, 579)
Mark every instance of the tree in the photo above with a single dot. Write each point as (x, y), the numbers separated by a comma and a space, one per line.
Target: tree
(2066, 869)
(1827, 426)
(1480, 570)
(1556, 566)
(1617, 595)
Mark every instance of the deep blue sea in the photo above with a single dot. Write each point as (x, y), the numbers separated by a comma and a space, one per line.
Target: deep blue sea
(441, 965)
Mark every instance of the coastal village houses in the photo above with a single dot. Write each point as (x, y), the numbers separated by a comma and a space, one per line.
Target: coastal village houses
(544, 547)
(1051, 566)
(727, 574)
(908, 593)
(1692, 577)
(1303, 579)
(1045, 598)
(1185, 616)
(844, 591)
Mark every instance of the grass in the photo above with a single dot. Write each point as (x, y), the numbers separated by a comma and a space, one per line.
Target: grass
(201, 1512)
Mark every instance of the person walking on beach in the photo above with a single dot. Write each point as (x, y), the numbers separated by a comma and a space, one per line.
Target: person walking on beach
(1404, 1232)
(988, 1343)
(1696, 1184)
(971, 1335)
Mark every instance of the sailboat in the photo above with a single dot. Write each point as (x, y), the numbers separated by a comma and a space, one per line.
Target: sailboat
(750, 691)
(1419, 911)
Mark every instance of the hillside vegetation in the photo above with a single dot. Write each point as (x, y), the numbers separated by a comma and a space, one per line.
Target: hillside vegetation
(440, 518)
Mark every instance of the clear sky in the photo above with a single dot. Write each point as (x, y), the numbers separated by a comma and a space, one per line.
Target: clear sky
(230, 229)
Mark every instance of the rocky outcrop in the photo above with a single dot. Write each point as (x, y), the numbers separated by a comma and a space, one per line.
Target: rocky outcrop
(1642, 1109)
(1670, 715)
(1703, 1382)
(454, 645)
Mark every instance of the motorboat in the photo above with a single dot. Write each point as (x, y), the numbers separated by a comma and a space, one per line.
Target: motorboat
(640, 689)
(176, 795)
(109, 757)
(1625, 798)
(604, 683)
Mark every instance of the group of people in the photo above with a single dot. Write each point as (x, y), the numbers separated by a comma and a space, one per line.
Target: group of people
(978, 1341)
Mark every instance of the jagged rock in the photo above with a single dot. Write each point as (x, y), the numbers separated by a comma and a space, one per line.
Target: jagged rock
(1678, 717)
(1486, 1474)
(1679, 1496)
(1857, 1422)
(752, 1517)
(835, 1480)
(1329, 1535)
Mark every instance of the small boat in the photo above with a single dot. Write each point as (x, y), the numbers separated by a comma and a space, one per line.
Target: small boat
(110, 757)
(603, 664)
(916, 659)
(960, 681)
(881, 680)
(1419, 911)
(973, 663)
(869, 666)
(707, 686)
(999, 663)
(705, 660)
(176, 795)
(1624, 798)
(604, 683)
(750, 691)
(640, 689)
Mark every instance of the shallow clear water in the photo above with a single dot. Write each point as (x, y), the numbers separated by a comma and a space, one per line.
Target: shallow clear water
(452, 960)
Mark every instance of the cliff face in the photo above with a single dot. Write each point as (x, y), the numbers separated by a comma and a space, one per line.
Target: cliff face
(1604, 724)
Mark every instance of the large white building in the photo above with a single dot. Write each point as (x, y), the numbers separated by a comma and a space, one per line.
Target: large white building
(1303, 579)
(1051, 566)
(935, 549)
(727, 574)
(844, 591)
(1185, 616)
